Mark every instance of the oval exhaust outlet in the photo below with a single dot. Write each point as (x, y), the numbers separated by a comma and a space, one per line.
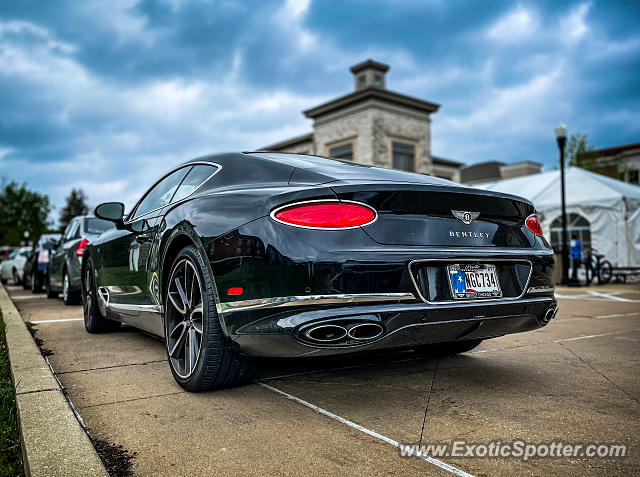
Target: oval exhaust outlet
(365, 331)
(549, 315)
(326, 333)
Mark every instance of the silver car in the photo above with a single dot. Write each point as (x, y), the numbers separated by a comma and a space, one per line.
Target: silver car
(12, 268)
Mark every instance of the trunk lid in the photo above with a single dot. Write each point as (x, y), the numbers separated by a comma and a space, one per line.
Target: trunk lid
(422, 215)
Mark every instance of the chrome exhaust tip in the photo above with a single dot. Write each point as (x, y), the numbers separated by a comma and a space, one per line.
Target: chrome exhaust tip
(365, 331)
(326, 333)
(549, 315)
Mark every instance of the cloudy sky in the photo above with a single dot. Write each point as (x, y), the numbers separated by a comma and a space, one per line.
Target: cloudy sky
(108, 95)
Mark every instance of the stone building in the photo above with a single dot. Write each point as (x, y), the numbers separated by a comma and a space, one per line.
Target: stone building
(620, 162)
(373, 125)
(496, 170)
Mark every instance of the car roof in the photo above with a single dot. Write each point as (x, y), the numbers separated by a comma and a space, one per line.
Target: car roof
(327, 169)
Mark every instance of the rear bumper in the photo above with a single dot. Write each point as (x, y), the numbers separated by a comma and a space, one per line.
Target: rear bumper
(405, 325)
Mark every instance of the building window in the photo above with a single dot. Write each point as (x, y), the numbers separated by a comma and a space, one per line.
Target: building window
(634, 176)
(403, 156)
(343, 151)
(377, 80)
(362, 79)
(577, 228)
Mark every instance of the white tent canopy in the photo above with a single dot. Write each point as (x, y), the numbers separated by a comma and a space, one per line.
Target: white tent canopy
(611, 207)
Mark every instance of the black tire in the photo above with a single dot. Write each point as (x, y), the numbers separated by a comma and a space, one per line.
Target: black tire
(605, 273)
(216, 364)
(16, 278)
(26, 284)
(3, 281)
(451, 348)
(94, 322)
(36, 287)
(47, 286)
(68, 296)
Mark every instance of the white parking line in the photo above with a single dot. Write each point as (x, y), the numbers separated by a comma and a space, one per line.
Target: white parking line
(369, 432)
(602, 317)
(27, 297)
(610, 296)
(56, 321)
(595, 336)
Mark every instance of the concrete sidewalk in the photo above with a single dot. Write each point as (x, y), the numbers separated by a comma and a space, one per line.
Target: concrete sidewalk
(575, 380)
(53, 441)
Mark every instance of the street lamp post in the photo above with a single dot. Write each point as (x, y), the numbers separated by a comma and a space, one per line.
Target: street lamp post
(561, 137)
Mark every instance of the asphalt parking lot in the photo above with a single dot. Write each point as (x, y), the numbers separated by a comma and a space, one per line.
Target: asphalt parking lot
(576, 380)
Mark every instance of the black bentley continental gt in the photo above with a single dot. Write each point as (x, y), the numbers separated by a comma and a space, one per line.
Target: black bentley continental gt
(236, 256)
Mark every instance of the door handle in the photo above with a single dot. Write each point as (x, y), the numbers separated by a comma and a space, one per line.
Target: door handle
(141, 238)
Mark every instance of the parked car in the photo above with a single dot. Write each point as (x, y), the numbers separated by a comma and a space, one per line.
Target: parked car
(35, 268)
(5, 250)
(63, 273)
(12, 268)
(237, 256)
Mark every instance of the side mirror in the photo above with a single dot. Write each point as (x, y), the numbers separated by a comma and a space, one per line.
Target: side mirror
(111, 211)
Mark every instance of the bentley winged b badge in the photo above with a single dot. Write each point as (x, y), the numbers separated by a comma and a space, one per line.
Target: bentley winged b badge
(466, 216)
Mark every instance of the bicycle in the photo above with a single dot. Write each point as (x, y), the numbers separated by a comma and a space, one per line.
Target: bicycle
(597, 266)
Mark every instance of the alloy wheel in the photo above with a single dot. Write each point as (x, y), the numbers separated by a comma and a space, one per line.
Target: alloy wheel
(65, 287)
(88, 295)
(184, 316)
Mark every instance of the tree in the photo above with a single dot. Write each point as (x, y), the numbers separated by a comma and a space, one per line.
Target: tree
(22, 211)
(577, 148)
(76, 205)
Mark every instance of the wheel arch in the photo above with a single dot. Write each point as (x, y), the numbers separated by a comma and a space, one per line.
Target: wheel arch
(182, 236)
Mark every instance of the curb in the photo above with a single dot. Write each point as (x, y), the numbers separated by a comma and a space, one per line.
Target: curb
(53, 442)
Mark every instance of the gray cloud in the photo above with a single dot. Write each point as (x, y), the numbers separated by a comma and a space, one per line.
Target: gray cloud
(107, 95)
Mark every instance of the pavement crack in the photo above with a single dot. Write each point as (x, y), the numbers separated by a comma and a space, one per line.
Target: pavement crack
(34, 391)
(110, 367)
(585, 362)
(426, 409)
(130, 400)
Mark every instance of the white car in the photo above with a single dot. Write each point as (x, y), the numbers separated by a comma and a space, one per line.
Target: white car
(12, 268)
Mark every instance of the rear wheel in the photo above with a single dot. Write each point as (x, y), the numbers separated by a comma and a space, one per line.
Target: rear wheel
(16, 278)
(47, 286)
(449, 348)
(26, 282)
(94, 322)
(199, 354)
(69, 296)
(36, 286)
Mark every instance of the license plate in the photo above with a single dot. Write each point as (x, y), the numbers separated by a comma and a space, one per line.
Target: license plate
(472, 281)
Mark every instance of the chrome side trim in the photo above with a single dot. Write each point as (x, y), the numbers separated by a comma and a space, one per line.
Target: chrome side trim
(285, 301)
(278, 209)
(480, 260)
(541, 289)
(126, 307)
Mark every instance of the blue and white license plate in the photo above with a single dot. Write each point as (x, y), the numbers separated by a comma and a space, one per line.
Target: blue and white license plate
(472, 281)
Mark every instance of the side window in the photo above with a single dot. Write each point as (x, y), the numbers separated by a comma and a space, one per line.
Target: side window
(71, 230)
(161, 194)
(196, 177)
(77, 233)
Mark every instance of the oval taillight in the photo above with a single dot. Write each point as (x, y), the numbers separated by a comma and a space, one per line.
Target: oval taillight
(533, 224)
(327, 215)
(81, 246)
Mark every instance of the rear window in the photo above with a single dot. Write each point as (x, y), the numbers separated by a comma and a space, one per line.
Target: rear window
(97, 226)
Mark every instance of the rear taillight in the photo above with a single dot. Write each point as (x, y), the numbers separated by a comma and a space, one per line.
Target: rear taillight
(43, 256)
(81, 246)
(327, 215)
(533, 224)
